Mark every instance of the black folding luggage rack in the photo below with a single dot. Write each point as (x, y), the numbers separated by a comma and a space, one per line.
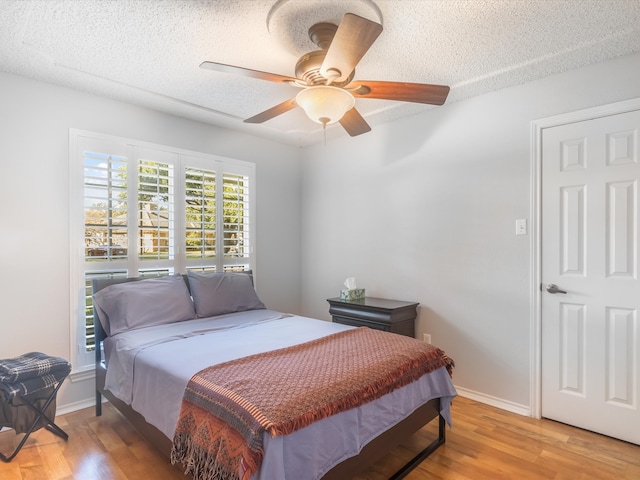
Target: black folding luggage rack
(28, 386)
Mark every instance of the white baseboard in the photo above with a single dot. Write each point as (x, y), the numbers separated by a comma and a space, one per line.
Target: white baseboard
(82, 375)
(495, 402)
(72, 407)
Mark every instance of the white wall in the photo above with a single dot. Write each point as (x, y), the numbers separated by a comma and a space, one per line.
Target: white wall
(35, 119)
(424, 209)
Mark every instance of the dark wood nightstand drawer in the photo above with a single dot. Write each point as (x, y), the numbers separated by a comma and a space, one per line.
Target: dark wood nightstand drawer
(379, 313)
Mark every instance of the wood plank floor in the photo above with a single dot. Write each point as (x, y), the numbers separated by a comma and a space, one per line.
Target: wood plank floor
(485, 443)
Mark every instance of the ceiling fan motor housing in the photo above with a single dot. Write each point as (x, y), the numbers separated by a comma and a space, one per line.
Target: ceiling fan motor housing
(308, 69)
(308, 65)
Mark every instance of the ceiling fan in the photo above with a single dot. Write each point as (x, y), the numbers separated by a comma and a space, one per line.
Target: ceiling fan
(326, 78)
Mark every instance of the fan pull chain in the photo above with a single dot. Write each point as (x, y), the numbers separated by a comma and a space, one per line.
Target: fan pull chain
(324, 121)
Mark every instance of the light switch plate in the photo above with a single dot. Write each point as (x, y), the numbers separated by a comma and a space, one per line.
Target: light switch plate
(521, 226)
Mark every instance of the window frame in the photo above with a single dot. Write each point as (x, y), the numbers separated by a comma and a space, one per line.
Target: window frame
(133, 151)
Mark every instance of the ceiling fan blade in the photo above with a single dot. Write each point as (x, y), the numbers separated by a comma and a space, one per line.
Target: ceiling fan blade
(273, 112)
(404, 92)
(352, 40)
(354, 124)
(247, 72)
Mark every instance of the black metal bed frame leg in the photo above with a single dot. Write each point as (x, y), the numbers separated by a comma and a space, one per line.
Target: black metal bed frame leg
(98, 403)
(50, 425)
(432, 447)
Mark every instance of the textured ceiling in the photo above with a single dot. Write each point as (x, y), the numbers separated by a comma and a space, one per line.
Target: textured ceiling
(148, 52)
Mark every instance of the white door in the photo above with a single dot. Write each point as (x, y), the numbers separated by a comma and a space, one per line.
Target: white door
(590, 325)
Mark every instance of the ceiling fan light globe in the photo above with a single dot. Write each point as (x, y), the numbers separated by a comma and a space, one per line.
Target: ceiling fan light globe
(325, 104)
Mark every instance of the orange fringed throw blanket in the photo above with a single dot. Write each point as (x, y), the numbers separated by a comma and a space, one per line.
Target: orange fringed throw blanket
(227, 407)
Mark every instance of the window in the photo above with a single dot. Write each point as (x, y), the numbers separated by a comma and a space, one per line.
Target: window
(146, 210)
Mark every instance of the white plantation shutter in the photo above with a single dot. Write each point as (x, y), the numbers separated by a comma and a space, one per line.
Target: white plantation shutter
(219, 218)
(155, 194)
(236, 222)
(105, 206)
(200, 217)
(146, 210)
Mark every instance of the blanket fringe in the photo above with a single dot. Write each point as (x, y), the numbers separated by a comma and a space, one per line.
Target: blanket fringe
(208, 456)
(197, 461)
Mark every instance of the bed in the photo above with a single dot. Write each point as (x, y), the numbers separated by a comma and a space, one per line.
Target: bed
(154, 348)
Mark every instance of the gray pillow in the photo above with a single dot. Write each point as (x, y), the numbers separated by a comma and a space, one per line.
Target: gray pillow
(220, 293)
(152, 301)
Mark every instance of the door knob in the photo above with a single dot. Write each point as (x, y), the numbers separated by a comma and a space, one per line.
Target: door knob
(553, 288)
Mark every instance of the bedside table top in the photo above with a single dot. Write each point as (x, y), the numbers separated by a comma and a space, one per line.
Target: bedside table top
(373, 302)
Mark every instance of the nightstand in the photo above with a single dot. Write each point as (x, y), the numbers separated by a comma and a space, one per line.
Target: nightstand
(379, 313)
